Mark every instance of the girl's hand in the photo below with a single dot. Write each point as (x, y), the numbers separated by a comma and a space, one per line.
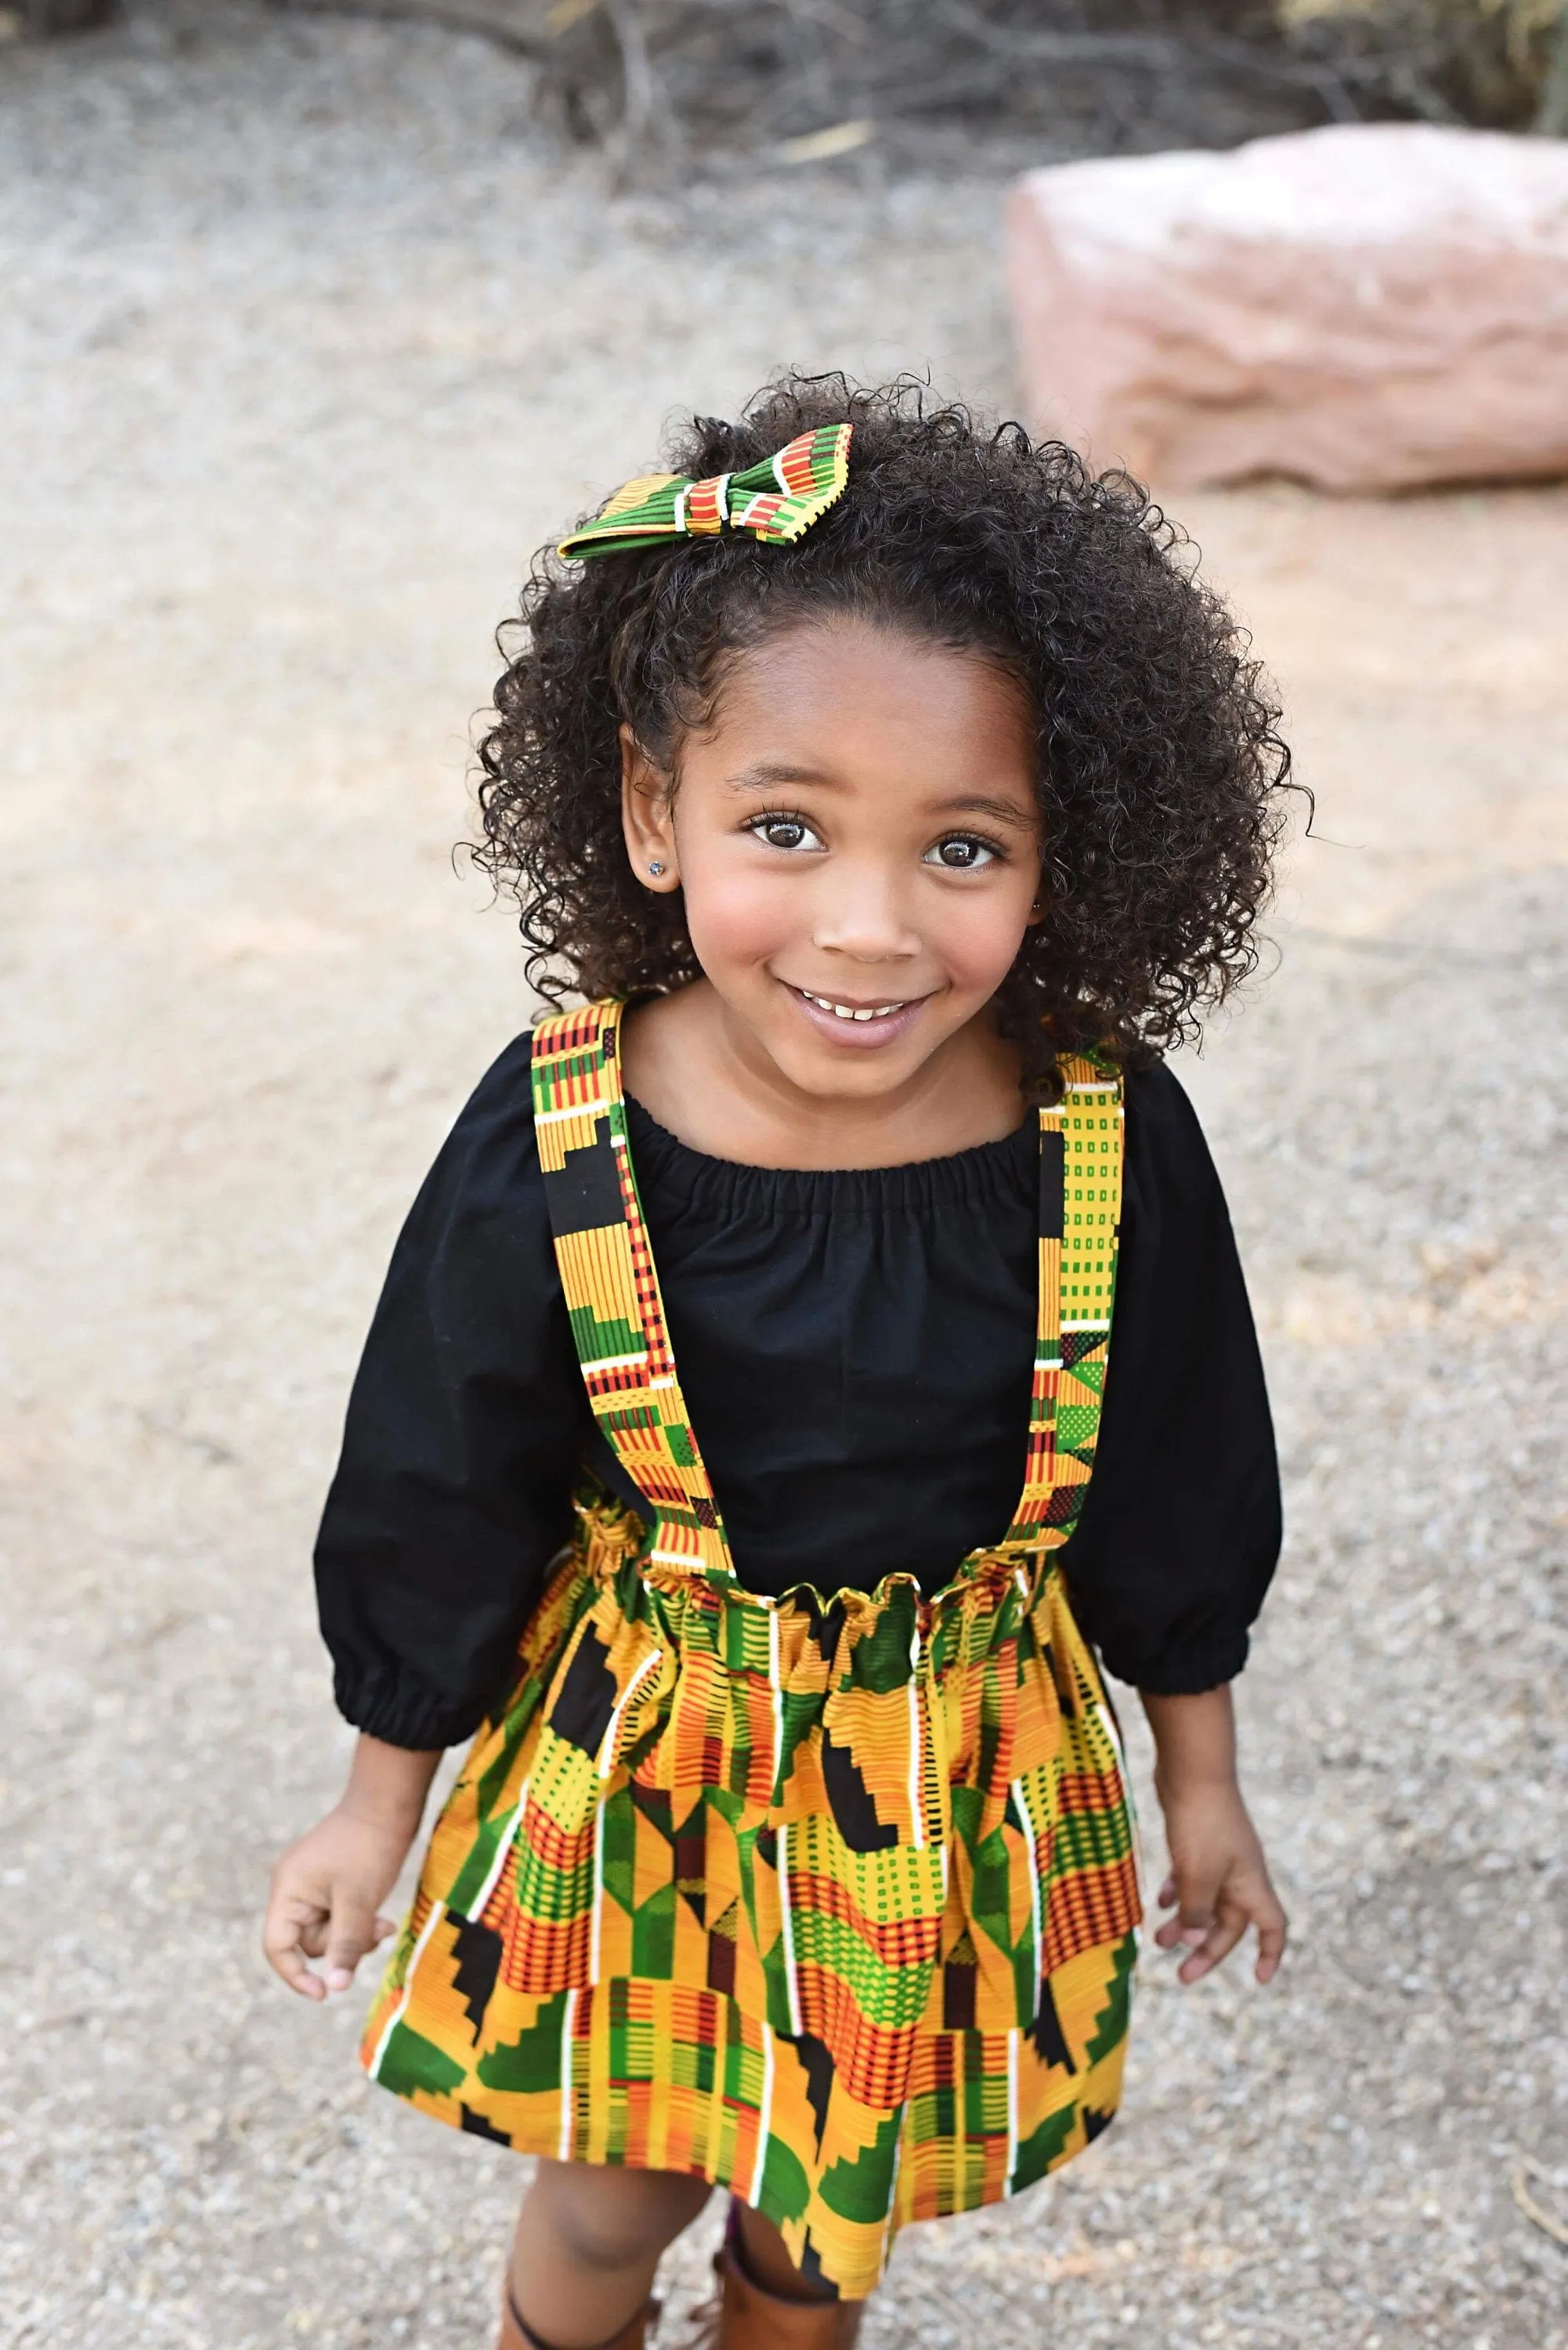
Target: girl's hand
(1219, 1882)
(328, 1890)
(325, 1898)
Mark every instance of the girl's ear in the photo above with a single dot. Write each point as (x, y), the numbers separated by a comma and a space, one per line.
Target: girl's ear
(1037, 907)
(647, 817)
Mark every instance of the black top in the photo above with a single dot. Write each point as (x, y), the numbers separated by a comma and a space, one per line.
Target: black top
(855, 1349)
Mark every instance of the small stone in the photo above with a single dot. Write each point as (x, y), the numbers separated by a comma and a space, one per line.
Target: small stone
(1369, 307)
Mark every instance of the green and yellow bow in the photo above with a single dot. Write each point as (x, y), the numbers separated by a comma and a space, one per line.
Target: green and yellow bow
(774, 501)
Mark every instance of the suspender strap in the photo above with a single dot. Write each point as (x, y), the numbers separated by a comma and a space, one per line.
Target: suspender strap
(618, 1315)
(1080, 1216)
(610, 1285)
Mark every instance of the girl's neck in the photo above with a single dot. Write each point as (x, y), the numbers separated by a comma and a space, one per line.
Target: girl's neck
(703, 1076)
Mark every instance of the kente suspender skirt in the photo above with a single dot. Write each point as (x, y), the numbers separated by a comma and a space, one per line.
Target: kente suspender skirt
(829, 1899)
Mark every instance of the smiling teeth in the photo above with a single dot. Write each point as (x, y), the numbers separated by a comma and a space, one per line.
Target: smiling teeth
(847, 1010)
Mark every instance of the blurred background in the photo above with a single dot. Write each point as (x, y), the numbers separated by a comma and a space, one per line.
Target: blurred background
(315, 324)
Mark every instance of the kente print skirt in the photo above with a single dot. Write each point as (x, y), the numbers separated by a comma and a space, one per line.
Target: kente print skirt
(833, 1904)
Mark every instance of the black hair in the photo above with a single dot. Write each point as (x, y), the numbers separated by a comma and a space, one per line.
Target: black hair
(1160, 766)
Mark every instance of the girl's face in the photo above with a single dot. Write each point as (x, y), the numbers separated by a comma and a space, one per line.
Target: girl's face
(858, 837)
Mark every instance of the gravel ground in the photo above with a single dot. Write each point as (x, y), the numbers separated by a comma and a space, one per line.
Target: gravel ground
(309, 337)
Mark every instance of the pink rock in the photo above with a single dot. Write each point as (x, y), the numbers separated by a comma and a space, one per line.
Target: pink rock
(1366, 307)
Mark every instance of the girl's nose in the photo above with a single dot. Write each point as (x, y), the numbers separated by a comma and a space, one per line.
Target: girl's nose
(863, 914)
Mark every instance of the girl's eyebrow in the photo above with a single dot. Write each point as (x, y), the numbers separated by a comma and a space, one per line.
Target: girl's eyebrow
(776, 771)
(765, 771)
(976, 804)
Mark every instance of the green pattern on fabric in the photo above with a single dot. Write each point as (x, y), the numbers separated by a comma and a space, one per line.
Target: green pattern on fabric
(773, 502)
(412, 2063)
(858, 2190)
(600, 1342)
(530, 2063)
(1112, 2023)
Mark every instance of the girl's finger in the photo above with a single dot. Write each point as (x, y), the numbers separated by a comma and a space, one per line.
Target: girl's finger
(1217, 1944)
(295, 1970)
(1196, 1917)
(281, 1944)
(1191, 1926)
(352, 1933)
(1168, 1936)
(1168, 1892)
(1273, 1930)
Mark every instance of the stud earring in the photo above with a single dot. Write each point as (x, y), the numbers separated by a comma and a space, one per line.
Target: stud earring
(656, 866)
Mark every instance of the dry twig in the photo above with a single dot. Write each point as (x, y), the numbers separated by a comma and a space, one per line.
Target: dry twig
(1526, 2169)
(646, 77)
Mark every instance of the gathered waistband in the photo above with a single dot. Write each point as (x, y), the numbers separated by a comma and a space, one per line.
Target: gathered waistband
(615, 1544)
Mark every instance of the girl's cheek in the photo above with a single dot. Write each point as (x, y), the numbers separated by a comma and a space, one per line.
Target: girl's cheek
(741, 919)
(977, 938)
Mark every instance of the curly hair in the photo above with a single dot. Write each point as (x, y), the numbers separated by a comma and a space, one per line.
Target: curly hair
(1160, 766)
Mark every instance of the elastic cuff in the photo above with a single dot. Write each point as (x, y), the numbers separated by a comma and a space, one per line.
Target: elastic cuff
(397, 1720)
(1182, 1672)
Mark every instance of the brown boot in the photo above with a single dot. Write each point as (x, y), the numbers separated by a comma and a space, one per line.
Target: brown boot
(751, 2319)
(517, 2335)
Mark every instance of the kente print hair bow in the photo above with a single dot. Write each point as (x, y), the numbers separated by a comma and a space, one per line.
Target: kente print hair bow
(773, 502)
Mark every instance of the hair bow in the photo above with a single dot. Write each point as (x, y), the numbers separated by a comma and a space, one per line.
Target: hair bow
(773, 502)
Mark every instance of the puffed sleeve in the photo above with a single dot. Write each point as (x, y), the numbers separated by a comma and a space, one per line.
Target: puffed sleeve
(1180, 1529)
(466, 1424)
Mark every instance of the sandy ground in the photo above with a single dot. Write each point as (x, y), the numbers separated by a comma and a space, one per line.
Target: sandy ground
(308, 338)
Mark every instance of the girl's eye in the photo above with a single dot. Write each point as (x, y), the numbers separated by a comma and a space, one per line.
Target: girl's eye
(962, 852)
(785, 832)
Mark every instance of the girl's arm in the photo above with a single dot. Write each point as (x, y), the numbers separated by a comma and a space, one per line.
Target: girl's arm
(328, 1890)
(452, 1497)
(1219, 1882)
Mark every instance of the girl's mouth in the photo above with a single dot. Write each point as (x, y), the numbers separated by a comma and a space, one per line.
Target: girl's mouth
(856, 1024)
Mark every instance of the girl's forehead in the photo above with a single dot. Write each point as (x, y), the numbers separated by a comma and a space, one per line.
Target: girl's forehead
(807, 665)
(868, 714)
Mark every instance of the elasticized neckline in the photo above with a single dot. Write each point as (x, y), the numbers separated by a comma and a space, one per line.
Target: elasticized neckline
(689, 1183)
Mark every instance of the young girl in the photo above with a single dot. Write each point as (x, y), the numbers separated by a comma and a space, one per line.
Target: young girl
(746, 1454)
